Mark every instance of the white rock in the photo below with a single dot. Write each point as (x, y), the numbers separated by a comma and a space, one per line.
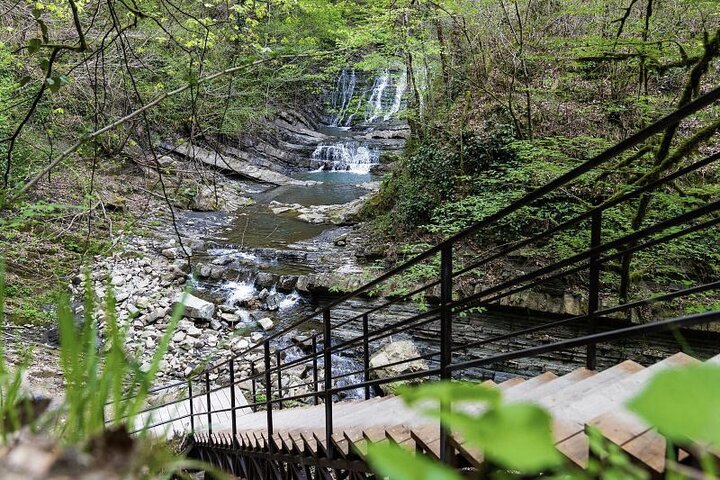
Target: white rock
(195, 307)
(266, 323)
(194, 331)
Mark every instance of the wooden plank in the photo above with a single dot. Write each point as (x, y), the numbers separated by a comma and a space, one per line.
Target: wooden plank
(556, 385)
(427, 437)
(649, 449)
(529, 384)
(510, 383)
(619, 426)
(400, 435)
(474, 456)
(576, 448)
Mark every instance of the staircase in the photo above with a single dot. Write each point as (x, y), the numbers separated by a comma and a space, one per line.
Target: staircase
(576, 400)
(255, 438)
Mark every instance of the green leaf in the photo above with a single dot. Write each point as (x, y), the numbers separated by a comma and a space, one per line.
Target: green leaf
(395, 462)
(25, 80)
(449, 392)
(683, 403)
(516, 436)
(34, 45)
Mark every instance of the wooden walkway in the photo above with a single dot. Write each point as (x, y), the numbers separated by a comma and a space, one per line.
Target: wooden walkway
(577, 400)
(174, 419)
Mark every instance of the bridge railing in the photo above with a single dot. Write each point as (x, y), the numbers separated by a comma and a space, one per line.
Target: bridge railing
(464, 282)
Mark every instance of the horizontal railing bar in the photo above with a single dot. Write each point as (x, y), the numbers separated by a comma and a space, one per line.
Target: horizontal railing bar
(381, 381)
(402, 298)
(149, 392)
(470, 302)
(393, 364)
(380, 331)
(612, 202)
(388, 332)
(600, 313)
(613, 244)
(177, 419)
(664, 325)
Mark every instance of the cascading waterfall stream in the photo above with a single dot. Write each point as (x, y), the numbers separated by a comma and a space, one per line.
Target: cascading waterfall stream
(342, 96)
(350, 156)
(380, 103)
(375, 102)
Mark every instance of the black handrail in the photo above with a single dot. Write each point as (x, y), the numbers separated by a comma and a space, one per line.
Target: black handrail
(594, 258)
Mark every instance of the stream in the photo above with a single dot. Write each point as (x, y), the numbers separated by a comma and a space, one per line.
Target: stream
(263, 252)
(256, 258)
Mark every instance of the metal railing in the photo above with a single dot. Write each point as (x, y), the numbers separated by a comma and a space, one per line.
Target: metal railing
(451, 358)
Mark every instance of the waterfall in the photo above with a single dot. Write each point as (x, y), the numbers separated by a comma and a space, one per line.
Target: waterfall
(399, 92)
(342, 96)
(345, 156)
(382, 101)
(375, 102)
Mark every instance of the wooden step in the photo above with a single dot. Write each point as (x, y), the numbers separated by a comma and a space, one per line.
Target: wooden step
(510, 383)
(401, 435)
(427, 438)
(553, 386)
(614, 395)
(648, 448)
(556, 402)
(528, 385)
(576, 448)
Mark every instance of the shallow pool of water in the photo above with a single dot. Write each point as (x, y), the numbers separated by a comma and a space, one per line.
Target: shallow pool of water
(336, 187)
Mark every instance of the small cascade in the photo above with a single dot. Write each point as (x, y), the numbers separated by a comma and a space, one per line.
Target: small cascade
(354, 96)
(374, 107)
(348, 156)
(341, 98)
(397, 101)
(239, 292)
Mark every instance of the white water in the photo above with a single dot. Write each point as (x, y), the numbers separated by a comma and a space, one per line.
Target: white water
(382, 101)
(239, 292)
(345, 156)
(375, 102)
(289, 301)
(397, 101)
(342, 96)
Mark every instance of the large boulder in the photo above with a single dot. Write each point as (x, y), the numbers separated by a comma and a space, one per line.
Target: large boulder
(381, 362)
(195, 307)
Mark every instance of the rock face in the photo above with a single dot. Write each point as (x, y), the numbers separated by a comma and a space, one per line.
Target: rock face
(236, 166)
(195, 307)
(400, 351)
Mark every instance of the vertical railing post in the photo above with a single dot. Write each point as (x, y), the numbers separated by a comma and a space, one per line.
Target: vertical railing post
(316, 398)
(327, 360)
(268, 390)
(253, 373)
(279, 375)
(594, 286)
(233, 414)
(366, 356)
(446, 270)
(207, 399)
(192, 409)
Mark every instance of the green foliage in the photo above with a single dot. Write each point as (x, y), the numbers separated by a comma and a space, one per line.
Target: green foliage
(683, 404)
(516, 438)
(398, 463)
(91, 381)
(501, 430)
